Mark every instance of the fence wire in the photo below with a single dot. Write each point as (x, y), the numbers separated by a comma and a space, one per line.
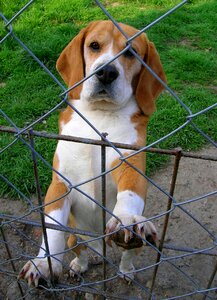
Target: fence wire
(20, 231)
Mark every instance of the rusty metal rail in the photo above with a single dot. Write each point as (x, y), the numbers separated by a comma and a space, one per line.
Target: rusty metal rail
(76, 139)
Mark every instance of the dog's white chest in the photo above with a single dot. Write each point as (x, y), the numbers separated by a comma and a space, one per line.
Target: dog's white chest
(77, 158)
(81, 163)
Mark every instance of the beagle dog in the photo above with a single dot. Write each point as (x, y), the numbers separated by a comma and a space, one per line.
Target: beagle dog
(118, 99)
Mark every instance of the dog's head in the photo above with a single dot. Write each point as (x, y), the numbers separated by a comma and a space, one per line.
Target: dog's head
(114, 84)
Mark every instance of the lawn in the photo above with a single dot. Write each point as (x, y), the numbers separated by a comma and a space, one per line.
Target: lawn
(186, 41)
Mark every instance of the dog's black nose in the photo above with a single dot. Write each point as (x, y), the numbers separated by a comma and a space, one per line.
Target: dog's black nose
(107, 74)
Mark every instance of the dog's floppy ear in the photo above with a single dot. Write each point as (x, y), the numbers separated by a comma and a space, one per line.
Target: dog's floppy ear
(148, 87)
(70, 64)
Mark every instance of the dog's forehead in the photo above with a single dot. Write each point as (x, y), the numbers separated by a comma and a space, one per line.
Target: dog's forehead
(107, 31)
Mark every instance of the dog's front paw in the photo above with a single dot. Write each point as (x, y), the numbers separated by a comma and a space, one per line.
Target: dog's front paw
(77, 267)
(125, 238)
(79, 264)
(37, 269)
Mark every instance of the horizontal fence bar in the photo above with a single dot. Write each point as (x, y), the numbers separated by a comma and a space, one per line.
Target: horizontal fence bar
(168, 246)
(5, 218)
(75, 139)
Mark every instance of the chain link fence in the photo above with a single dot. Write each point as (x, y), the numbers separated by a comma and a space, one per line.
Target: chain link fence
(169, 271)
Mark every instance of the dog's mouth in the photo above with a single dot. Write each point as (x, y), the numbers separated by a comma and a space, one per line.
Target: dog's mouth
(103, 93)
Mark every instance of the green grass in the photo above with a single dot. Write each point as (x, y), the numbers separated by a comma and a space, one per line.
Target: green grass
(186, 41)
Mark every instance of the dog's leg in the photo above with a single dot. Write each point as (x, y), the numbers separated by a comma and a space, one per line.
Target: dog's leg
(131, 186)
(80, 263)
(126, 265)
(56, 212)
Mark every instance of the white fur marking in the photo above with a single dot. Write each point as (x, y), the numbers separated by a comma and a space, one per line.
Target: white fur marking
(128, 203)
(56, 240)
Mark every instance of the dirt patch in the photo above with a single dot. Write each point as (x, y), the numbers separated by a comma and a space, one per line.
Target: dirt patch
(191, 226)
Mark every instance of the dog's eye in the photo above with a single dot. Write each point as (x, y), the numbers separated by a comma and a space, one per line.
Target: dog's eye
(95, 46)
(129, 54)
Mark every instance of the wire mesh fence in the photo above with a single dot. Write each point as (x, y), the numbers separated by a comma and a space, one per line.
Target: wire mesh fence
(167, 271)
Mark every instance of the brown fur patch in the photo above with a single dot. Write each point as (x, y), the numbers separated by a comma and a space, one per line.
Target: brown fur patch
(56, 190)
(127, 178)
